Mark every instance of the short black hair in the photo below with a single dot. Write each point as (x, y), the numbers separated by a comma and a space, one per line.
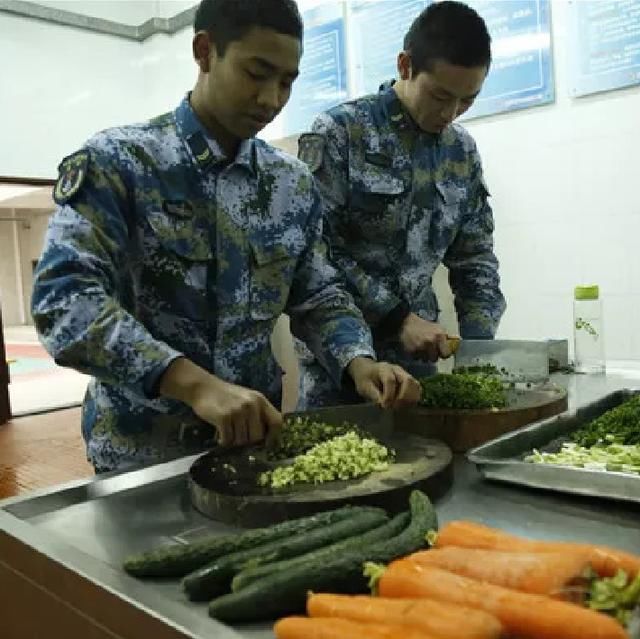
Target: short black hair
(227, 21)
(449, 31)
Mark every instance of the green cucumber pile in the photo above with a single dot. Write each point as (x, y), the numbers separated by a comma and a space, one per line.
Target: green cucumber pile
(265, 573)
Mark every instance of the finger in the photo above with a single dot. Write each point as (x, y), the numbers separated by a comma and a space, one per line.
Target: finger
(389, 386)
(225, 433)
(444, 349)
(271, 419)
(240, 429)
(370, 391)
(428, 351)
(409, 389)
(256, 426)
(432, 352)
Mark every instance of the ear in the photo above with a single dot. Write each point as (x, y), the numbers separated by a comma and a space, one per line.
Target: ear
(202, 49)
(404, 65)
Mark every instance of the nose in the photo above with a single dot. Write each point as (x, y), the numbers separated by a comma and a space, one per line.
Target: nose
(269, 97)
(450, 111)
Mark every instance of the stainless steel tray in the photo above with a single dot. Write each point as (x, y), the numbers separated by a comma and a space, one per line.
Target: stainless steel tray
(502, 458)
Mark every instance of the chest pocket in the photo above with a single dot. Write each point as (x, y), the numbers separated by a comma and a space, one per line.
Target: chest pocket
(378, 205)
(176, 266)
(272, 271)
(186, 237)
(451, 201)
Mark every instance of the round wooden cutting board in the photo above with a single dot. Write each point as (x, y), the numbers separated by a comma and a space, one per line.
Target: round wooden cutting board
(465, 429)
(223, 484)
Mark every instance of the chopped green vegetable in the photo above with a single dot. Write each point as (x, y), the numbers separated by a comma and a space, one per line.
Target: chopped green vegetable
(616, 596)
(469, 390)
(344, 457)
(612, 457)
(620, 425)
(300, 434)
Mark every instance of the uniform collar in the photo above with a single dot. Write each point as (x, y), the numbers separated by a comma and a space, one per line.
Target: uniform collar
(204, 149)
(396, 113)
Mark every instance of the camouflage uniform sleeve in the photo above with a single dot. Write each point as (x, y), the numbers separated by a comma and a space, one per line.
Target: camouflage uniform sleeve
(331, 174)
(78, 284)
(473, 265)
(323, 314)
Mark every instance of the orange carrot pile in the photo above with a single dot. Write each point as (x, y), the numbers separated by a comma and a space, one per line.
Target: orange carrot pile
(525, 615)
(604, 560)
(329, 628)
(537, 573)
(440, 619)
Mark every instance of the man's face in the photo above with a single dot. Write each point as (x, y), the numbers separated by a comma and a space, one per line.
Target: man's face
(437, 97)
(249, 85)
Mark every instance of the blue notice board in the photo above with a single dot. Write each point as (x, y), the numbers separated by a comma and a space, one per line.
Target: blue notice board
(323, 70)
(377, 29)
(604, 52)
(521, 72)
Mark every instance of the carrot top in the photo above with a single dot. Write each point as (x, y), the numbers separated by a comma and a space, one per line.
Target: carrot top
(616, 596)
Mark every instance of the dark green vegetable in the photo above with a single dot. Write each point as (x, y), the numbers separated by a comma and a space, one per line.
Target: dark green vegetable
(467, 390)
(386, 531)
(177, 560)
(285, 592)
(215, 578)
(620, 425)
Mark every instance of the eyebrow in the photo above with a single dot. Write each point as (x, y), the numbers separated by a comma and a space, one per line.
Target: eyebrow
(450, 95)
(272, 68)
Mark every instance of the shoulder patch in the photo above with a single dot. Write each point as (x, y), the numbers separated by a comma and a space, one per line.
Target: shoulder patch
(311, 150)
(72, 172)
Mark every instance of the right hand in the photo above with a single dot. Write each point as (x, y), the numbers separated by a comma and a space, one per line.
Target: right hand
(423, 339)
(241, 416)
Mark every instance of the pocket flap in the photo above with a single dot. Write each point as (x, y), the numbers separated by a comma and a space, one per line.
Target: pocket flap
(186, 237)
(269, 253)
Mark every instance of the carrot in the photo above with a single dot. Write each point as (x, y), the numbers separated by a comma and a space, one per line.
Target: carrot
(440, 619)
(604, 560)
(537, 573)
(328, 628)
(523, 615)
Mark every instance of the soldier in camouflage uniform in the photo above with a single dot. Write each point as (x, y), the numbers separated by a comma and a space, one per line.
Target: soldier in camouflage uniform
(403, 191)
(176, 245)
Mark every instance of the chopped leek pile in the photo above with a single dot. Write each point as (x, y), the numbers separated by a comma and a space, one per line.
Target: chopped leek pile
(344, 457)
(300, 434)
(624, 458)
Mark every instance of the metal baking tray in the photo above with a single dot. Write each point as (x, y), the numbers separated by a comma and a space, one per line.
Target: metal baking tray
(502, 458)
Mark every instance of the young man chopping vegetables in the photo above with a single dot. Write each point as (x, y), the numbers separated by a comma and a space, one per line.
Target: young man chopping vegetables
(403, 192)
(176, 245)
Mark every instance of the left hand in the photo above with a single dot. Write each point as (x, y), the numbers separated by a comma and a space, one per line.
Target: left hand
(387, 385)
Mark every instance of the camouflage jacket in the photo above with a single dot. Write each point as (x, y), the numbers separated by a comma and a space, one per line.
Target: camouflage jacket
(398, 202)
(161, 247)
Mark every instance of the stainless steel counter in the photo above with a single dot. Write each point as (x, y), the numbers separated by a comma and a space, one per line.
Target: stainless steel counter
(90, 527)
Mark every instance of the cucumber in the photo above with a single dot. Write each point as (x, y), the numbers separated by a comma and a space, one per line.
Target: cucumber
(215, 578)
(178, 560)
(285, 592)
(386, 531)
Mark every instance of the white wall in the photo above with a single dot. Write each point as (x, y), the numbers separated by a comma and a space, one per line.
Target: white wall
(564, 180)
(59, 85)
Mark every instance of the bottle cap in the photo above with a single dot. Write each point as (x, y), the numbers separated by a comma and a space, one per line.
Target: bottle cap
(587, 292)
